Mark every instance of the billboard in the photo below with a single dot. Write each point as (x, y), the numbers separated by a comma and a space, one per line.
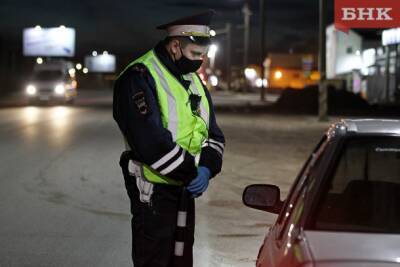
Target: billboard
(100, 63)
(49, 42)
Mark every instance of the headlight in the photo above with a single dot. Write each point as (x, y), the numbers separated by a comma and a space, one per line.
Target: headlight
(59, 89)
(31, 90)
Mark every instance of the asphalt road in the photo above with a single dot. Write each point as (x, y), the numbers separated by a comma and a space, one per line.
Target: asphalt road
(63, 202)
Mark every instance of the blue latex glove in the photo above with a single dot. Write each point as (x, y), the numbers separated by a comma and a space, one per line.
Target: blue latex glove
(200, 183)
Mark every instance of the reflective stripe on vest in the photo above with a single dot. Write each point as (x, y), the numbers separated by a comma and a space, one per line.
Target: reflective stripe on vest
(188, 130)
(172, 112)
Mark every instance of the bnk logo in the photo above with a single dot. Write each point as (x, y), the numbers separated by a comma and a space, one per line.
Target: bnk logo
(351, 13)
(366, 14)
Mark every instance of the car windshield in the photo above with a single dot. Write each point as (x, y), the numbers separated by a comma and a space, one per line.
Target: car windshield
(364, 193)
(48, 75)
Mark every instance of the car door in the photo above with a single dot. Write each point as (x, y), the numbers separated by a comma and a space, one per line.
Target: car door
(277, 246)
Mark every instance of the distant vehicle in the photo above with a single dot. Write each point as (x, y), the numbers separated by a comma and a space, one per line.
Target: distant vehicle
(52, 81)
(344, 207)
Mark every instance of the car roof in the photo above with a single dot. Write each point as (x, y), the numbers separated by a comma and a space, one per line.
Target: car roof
(365, 126)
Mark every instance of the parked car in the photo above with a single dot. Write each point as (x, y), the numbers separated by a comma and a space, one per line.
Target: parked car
(344, 207)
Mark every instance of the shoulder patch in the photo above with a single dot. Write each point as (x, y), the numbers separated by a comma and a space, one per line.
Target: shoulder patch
(140, 101)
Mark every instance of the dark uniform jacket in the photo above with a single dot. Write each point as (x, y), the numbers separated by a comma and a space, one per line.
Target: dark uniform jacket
(142, 126)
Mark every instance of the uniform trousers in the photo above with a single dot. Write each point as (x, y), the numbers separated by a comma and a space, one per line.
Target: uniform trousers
(154, 227)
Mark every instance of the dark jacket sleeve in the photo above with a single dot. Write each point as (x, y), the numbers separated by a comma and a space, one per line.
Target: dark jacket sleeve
(213, 148)
(137, 113)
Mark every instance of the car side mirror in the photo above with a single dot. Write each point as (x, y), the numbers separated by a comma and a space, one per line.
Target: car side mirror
(263, 197)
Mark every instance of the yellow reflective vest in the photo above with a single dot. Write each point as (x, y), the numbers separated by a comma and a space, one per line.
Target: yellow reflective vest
(189, 128)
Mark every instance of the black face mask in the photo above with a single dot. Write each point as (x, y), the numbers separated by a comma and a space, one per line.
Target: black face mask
(186, 65)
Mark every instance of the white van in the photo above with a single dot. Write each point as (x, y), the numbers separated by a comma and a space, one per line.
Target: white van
(52, 81)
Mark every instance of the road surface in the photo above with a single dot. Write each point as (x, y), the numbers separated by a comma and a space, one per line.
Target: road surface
(63, 202)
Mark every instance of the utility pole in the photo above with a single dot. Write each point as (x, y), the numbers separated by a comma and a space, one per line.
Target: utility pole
(323, 91)
(228, 42)
(228, 29)
(246, 16)
(262, 26)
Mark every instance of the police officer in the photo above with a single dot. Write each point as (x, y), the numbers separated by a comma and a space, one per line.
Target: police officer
(166, 116)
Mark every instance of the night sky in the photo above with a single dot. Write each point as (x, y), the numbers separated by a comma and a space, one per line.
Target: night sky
(128, 27)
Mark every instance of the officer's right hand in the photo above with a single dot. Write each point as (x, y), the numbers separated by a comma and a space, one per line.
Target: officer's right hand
(199, 184)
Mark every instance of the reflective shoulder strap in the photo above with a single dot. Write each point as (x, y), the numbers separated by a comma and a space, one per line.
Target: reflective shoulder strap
(173, 118)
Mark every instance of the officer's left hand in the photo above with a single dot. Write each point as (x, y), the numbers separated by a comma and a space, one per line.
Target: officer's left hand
(200, 183)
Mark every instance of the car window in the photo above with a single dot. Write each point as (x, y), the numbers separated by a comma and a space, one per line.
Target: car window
(48, 75)
(305, 174)
(364, 191)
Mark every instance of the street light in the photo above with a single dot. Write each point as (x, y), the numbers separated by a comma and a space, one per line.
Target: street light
(278, 74)
(213, 80)
(72, 72)
(94, 53)
(250, 73)
(212, 33)
(85, 70)
(79, 66)
(38, 28)
(39, 60)
(212, 51)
